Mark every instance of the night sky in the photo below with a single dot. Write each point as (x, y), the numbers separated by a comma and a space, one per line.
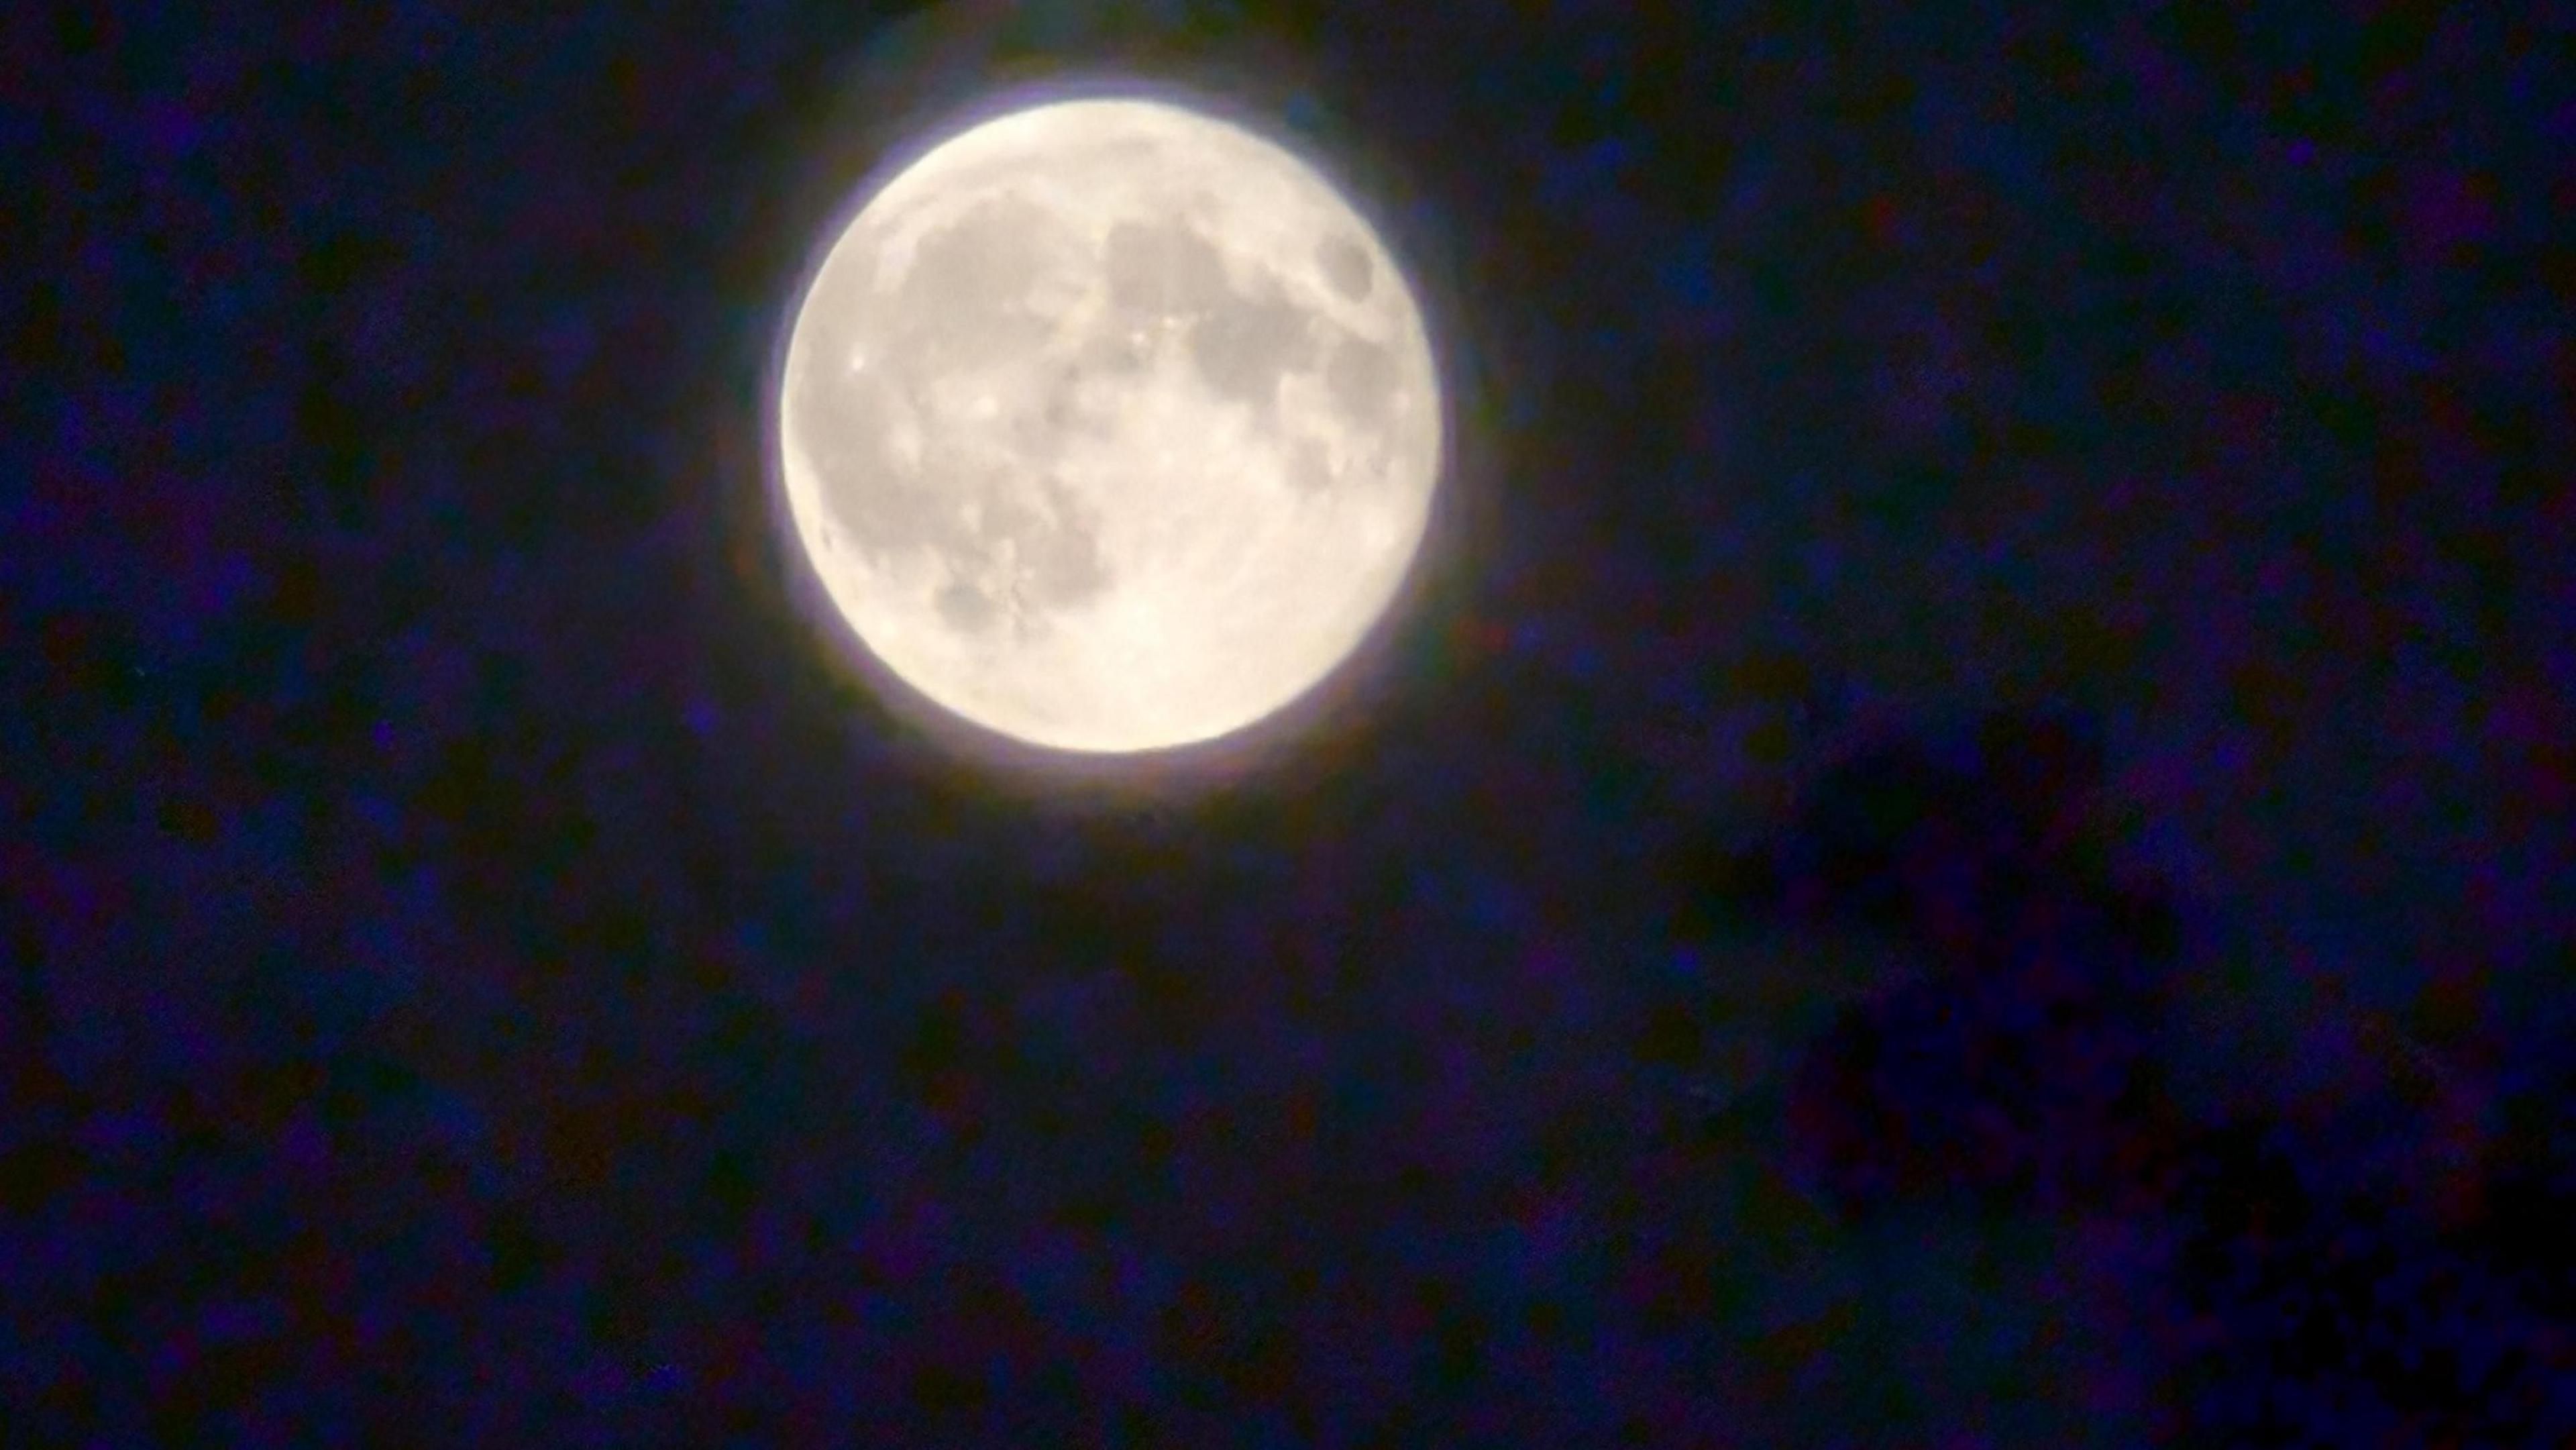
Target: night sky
(1971, 797)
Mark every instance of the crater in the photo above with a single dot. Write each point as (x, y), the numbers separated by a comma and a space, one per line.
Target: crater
(965, 608)
(1059, 417)
(1345, 265)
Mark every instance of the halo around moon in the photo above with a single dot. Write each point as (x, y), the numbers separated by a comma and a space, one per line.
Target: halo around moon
(1109, 426)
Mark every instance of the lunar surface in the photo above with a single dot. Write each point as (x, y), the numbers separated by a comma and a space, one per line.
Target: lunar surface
(1109, 426)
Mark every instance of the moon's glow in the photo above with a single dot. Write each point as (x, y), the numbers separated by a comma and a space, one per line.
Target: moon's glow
(1109, 426)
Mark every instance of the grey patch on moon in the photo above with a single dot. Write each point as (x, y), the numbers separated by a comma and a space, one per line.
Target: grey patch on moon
(964, 301)
(1114, 354)
(1242, 349)
(1077, 395)
(829, 324)
(1345, 265)
(1061, 563)
(1361, 378)
(965, 608)
(1310, 468)
(859, 422)
(1062, 415)
(888, 512)
(1162, 270)
(1021, 558)
(1015, 542)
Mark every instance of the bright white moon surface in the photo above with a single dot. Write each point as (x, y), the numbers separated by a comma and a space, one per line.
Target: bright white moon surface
(1109, 425)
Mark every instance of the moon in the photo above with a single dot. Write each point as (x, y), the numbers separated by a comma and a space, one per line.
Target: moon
(1109, 425)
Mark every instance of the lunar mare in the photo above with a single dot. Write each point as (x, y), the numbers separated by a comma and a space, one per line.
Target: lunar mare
(1109, 426)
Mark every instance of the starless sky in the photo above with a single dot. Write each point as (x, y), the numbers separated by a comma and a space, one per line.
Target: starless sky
(438, 836)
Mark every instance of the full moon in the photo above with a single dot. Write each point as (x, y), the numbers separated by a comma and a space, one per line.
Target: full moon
(1109, 425)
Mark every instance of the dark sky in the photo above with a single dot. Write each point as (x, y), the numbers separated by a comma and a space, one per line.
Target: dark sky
(482, 968)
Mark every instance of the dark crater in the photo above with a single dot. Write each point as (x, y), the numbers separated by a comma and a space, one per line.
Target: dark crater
(1345, 265)
(965, 608)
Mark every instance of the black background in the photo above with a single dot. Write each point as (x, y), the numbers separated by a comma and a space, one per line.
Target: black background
(485, 969)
